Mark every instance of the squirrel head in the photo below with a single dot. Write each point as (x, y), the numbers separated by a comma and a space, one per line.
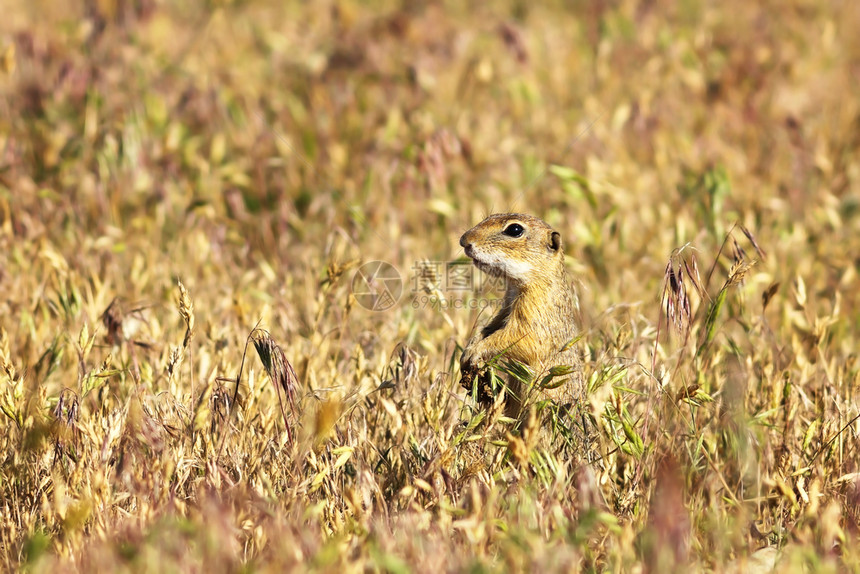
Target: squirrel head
(519, 247)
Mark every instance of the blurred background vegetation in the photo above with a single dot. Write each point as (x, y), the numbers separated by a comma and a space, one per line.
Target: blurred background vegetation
(701, 160)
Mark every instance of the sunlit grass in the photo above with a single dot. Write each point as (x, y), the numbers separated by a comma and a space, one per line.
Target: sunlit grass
(188, 381)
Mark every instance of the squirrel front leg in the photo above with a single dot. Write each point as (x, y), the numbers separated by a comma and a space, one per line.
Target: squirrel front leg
(477, 351)
(472, 369)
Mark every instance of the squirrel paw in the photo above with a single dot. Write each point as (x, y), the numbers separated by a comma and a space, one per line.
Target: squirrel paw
(472, 371)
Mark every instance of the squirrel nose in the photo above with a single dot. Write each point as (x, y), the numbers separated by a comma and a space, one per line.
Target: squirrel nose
(463, 242)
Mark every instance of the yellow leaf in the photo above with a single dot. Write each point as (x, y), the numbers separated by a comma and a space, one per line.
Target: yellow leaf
(341, 460)
(319, 478)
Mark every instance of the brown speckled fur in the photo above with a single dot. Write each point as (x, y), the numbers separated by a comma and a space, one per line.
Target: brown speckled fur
(537, 317)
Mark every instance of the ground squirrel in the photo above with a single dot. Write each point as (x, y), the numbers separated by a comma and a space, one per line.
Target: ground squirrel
(536, 321)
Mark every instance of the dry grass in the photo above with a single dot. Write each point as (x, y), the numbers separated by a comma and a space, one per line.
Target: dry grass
(175, 175)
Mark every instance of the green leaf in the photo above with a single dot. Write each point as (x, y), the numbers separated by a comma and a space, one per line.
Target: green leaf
(548, 383)
(711, 320)
(560, 370)
(810, 433)
(635, 441)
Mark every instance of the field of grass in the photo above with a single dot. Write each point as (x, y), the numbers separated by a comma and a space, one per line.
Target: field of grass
(190, 379)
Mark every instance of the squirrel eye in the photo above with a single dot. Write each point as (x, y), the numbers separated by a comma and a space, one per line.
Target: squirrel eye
(514, 230)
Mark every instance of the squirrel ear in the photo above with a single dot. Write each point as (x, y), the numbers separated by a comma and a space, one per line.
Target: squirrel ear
(555, 241)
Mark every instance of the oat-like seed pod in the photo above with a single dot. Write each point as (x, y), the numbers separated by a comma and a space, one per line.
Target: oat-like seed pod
(186, 309)
(279, 369)
(112, 320)
(174, 361)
